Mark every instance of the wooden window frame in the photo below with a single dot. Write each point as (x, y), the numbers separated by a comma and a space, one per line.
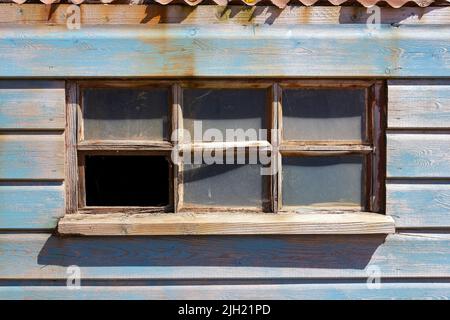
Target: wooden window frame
(177, 218)
(236, 147)
(371, 148)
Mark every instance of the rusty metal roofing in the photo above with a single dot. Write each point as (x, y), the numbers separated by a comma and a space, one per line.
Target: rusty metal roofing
(278, 3)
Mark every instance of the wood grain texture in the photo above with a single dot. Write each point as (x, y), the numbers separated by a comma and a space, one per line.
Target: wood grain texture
(32, 156)
(328, 291)
(124, 145)
(70, 137)
(43, 256)
(226, 223)
(417, 155)
(419, 104)
(28, 104)
(36, 205)
(413, 204)
(211, 50)
(207, 14)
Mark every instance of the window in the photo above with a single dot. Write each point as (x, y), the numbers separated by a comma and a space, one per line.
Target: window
(123, 148)
(244, 156)
(330, 146)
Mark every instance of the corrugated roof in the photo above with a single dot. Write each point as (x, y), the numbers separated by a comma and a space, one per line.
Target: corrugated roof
(278, 3)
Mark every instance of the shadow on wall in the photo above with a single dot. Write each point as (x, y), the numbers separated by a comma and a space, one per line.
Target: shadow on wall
(324, 251)
(272, 15)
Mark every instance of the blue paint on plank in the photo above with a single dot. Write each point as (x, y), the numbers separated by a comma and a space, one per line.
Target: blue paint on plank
(32, 104)
(42, 256)
(413, 155)
(413, 204)
(36, 205)
(415, 290)
(32, 156)
(294, 50)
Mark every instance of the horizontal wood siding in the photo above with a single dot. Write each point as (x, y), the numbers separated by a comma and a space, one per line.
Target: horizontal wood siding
(411, 263)
(31, 156)
(32, 122)
(329, 291)
(418, 153)
(419, 104)
(30, 13)
(415, 204)
(348, 50)
(31, 205)
(32, 105)
(43, 256)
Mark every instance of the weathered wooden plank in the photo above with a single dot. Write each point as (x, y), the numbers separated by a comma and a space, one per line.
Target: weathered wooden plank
(207, 14)
(43, 256)
(32, 104)
(419, 104)
(418, 155)
(225, 223)
(413, 204)
(328, 291)
(32, 156)
(35, 205)
(211, 50)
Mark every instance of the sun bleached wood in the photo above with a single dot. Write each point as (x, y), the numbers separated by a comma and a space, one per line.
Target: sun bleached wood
(226, 223)
(340, 51)
(124, 145)
(293, 147)
(177, 140)
(71, 163)
(418, 155)
(32, 156)
(32, 105)
(419, 104)
(249, 291)
(29, 13)
(46, 256)
(275, 139)
(225, 145)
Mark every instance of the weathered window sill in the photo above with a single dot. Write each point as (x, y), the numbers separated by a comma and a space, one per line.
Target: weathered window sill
(225, 223)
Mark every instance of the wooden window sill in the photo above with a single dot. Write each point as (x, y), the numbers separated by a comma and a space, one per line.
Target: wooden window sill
(116, 224)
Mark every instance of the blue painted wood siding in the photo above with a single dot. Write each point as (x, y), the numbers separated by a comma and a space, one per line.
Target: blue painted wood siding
(32, 122)
(418, 153)
(214, 50)
(413, 263)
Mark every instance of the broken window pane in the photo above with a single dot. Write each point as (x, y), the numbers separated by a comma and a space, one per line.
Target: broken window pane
(127, 180)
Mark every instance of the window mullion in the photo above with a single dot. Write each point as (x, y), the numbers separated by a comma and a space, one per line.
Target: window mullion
(176, 136)
(276, 126)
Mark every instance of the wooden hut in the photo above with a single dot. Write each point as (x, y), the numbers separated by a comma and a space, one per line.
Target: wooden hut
(98, 190)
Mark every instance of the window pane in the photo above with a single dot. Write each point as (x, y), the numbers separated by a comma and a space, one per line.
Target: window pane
(125, 114)
(224, 185)
(224, 109)
(323, 180)
(324, 114)
(126, 180)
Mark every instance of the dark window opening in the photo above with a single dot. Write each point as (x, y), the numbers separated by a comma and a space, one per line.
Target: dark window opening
(127, 181)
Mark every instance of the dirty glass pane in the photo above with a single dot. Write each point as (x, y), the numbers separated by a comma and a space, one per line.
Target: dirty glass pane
(223, 109)
(333, 180)
(224, 185)
(125, 114)
(324, 114)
